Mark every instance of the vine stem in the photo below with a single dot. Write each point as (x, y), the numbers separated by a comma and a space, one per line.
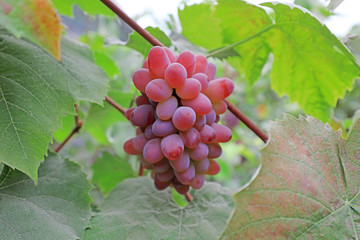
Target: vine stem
(76, 129)
(141, 170)
(115, 105)
(188, 197)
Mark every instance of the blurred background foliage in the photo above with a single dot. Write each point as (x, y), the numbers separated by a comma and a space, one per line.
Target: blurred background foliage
(98, 146)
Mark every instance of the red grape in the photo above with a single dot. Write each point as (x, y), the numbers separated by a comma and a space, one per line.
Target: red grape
(172, 146)
(163, 128)
(190, 89)
(223, 133)
(184, 118)
(207, 134)
(187, 59)
(202, 165)
(201, 64)
(214, 167)
(158, 60)
(198, 181)
(191, 138)
(199, 153)
(186, 176)
(152, 151)
(165, 109)
(219, 107)
(215, 150)
(143, 115)
(162, 166)
(211, 71)
(182, 163)
(158, 90)
(141, 78)
(175, 75)
(201, 104)
(219, 89)
(203, 79)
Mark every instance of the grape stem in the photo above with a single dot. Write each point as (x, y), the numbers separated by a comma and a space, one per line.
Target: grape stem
(76, 129)
(188, 197)
(115, 105)
(141, 170)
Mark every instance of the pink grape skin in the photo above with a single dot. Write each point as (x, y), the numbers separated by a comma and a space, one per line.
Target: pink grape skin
(207, 134)
(214, 167)
(152, 151)
(170, 54)
(141, 78)
(182, 163)
(128, 113)
(162, 166)
(211, 71)
(200, 64)
(158, 61)
(199, 153)
(143, 115)
(187, 59)
(141, 100)
(219, 89)
(145, 164)
(201, 104)
(203, 79)
(186, 176)
(200, 122)
(129, 147)
(175, 75)
(210, 117)
(166, 176)
(163, 128)
(223, 133)
(219, 107)
(158, 90)
(201, 166)
(149, 133)
(183, 118)
(159, 185)
(166, 109)
(146, 65)
(172, 146)
(190, 89)
(198, 181)
(179, 187)
(139, 142)
(215, 150)
(191, 137)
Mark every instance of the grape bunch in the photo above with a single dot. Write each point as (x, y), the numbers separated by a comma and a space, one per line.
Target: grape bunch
(178, 135)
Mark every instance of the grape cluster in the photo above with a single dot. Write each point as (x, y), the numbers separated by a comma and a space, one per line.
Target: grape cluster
(178, 136)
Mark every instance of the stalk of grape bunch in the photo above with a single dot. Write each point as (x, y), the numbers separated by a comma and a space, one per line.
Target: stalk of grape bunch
(177, 116)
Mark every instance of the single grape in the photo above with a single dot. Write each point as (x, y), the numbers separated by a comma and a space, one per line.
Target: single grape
(166, 176)
(145, 164)
(215, 150)
(183, 118)
(203, 79)
(211, 71)
(141, 100)
(141, 78)
(158, 90)
(165, 109)
(191, 138)
(200, 122)
(149, 133)
(179, 187)
(162, 166)
(201, 166)
(210, 117)
(219, 107)
(223, 133)
(200, 64)
(172, 146)
(128, 113)
(160, 185)
(190, 89)
(201, 104)
(182, 163)
(199, 153)
(230, 120)
(152, 151)
(186, 176)
(163, 128)
(143, 115)
(198, 181)
(175, 75)
(158, 61)
(214, 167)
(187, 59)
(129, 148)
(139, 142)
(207, 134)
(146, 65)
(170, 54)
(219, 89)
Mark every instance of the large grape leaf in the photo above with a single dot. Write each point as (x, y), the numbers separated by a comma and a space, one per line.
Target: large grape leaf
(57, 208)
(136, 210)
(308, 186)
(65, 7)
(36, 20)
(307, 55)
(35, 92)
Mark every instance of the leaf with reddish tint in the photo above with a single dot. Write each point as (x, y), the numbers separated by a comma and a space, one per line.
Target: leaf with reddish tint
(308, 186)
(36, 20)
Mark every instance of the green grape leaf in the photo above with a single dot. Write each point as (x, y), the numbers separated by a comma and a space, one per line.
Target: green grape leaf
(58, 207)
(109, 170)
(136, 210)
(35, 20)
(308, 186)
(65, 7)
(307, 55)
(35, 92)
(138, 43)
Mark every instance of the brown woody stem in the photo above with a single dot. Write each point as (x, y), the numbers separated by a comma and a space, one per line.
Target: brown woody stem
(188, 197)
(141, 170)
(115, 105)
(251, 125)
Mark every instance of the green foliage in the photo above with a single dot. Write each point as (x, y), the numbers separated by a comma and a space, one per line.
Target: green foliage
(307, 188)
(128, 212)
(58, 207)
(137, 42)
(65, 7)
(306, 54)
(109, 170)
